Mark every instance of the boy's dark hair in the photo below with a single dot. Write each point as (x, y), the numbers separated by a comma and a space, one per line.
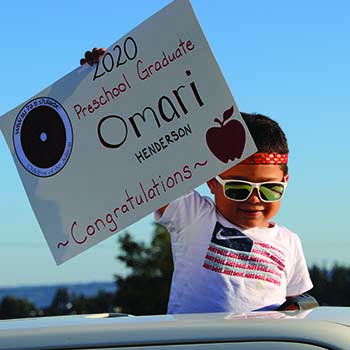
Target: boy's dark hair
(267, 135)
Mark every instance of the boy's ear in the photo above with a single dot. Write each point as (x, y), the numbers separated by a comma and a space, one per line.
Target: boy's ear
(211, 184)
(286, 178)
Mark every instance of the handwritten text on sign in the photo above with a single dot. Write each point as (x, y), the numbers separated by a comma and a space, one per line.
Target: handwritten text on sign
(106, 145)
(167, 107)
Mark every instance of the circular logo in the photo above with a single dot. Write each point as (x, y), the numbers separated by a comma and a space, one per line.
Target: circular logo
(43, 137)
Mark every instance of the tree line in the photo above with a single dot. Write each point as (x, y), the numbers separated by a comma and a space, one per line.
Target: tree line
(145, 290)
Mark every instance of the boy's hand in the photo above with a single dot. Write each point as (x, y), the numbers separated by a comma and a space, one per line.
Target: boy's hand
(92, 57)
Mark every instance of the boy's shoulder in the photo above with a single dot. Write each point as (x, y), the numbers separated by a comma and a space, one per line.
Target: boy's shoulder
(193, 196)
(286, 234)
(286, 230)
(194, 200)
(190, 203)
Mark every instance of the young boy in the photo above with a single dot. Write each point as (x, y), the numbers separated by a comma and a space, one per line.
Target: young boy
(228, 254)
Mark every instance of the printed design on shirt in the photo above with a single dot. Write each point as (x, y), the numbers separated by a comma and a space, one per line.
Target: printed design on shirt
(233, 253)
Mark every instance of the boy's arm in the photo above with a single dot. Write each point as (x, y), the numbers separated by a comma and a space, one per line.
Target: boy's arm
(299, 302)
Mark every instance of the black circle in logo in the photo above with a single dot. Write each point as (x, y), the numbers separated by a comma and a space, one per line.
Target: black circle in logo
(43, 137)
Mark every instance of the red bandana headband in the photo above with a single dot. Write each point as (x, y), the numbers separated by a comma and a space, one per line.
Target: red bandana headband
(266, 158)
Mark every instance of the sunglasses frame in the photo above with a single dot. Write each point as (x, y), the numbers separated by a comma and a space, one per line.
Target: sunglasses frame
(256, 185)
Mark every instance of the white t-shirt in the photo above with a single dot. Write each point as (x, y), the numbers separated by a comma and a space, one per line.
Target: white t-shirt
(219, 267)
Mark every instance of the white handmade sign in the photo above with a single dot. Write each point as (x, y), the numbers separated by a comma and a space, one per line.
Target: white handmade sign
(106, 145)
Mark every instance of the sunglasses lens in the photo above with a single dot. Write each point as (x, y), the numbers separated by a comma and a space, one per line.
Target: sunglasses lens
(237, 191)
(271, 192)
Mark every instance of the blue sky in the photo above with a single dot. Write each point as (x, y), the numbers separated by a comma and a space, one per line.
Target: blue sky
(288, 60)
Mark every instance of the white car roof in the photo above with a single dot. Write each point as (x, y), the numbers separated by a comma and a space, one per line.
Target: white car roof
(326, 327)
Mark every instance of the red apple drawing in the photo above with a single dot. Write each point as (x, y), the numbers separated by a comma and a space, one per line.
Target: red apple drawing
(227, 141)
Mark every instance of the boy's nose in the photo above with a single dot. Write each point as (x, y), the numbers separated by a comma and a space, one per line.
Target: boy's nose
(254, 197)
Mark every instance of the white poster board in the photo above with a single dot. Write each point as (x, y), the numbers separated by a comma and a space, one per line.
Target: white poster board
(106, 145)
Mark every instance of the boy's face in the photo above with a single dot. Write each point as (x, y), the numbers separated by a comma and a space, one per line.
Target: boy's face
(252, 212)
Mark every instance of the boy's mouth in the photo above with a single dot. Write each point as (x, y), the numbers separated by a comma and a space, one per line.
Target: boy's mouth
(252, 211)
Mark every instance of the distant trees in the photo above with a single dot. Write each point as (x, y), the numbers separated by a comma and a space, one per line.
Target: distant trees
(63, 303)
(331, 286)
(12, 307)
(145, 290)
